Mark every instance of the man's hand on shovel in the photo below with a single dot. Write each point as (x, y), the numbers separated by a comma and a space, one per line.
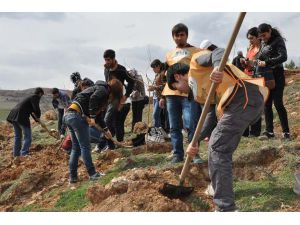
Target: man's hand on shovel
(192, 150)
(216, 76)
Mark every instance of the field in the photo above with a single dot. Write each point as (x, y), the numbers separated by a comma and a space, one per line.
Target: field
(263, 173)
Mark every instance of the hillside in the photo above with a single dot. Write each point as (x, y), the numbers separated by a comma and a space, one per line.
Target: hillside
(263, 171)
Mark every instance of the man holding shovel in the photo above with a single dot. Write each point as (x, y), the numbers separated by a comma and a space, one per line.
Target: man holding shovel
(241, 104)
(19, 118)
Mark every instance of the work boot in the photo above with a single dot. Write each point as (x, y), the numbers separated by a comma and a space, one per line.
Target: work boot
(197, 159)
(297, 184)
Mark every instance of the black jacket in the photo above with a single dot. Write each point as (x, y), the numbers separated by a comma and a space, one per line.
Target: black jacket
(121, 74)
(94, 99)
(22, 111)
(273, 52)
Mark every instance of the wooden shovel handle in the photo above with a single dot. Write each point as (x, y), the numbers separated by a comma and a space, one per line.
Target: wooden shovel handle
(211, 94)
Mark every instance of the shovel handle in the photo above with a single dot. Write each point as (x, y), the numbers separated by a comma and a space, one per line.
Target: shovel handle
(211, 94)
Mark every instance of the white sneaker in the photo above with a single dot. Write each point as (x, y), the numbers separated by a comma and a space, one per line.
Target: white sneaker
(96, 149)
(62, 137)
(209, 190)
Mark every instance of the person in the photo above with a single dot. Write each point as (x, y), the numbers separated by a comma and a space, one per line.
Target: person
(175, 100)
(19, 117)
(160, 115)
(137, 97)
(115, 118)
(87, 109)
(240, 102)
(61, 102)
(237, 61)
(79, 84)
(271, 57)
(249, 63)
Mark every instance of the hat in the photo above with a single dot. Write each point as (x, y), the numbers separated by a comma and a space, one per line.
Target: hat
(205, 44)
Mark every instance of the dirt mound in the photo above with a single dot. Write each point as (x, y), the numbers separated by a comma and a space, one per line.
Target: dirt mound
(257, 165)
(22, 177)
(153, 148)
(50, 115)
(26, 183)
(138, 190)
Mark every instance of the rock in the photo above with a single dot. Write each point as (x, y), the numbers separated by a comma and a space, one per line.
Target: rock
(50, 115)
(294, 114)
(194, 171)
(118, 185)
(116, 160)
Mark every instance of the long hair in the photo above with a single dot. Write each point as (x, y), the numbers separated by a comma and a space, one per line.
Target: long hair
(264, 27)
(116, 90)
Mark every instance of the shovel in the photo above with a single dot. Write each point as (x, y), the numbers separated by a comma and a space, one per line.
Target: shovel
(173, 191)
(112, 139)
(48, 131)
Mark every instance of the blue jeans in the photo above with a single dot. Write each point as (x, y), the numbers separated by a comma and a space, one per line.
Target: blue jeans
(179, 111)
(156, 113)
(97, 137)
(80, 136)
(19, 130)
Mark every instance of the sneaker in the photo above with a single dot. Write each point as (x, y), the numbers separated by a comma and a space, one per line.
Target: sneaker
(268, 134)
(96, 149)
(197, 159)
(176, 159)
(96, 176)
(209, 190)
(73, 180)
(62, 137)
(286, 136)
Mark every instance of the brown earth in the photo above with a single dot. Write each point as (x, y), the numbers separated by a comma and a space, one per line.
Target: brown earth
(26, 180)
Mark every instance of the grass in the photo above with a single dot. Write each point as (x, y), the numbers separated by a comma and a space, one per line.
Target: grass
(198, 205)
(266, 195)
(73, 200)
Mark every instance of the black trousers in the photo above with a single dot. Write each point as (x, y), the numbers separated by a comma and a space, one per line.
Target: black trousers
(276, 97)
(115, 120)
(137, 112)
(254, 129)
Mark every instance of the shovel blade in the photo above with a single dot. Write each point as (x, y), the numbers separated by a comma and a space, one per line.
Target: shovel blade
(173, 191)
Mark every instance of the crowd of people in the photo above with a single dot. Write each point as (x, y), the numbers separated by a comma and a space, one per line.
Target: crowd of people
(179, 90)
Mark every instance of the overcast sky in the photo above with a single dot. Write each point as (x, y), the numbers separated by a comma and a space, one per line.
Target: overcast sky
(43, 49)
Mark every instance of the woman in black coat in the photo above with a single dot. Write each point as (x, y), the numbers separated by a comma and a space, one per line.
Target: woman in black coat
(272, 55)
(19, 118)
